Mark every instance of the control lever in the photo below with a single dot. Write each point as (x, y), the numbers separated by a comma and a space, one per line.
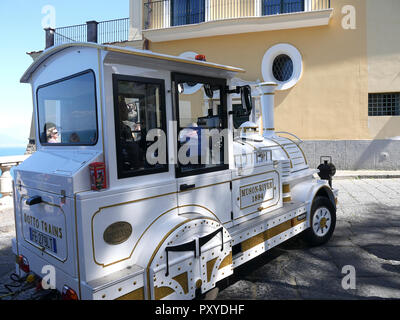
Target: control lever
(33, 200)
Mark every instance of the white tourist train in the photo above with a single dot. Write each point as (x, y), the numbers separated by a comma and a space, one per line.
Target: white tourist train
(151, 179)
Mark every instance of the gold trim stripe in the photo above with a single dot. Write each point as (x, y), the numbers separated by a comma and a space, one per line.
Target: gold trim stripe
(162, 292)
(182, 279)
(287, 199)
(210, 267)
(269, 85)
(137, 294)
(270, 233)
(253, 241)
(295, 221)
(286, 188)
(226, 262)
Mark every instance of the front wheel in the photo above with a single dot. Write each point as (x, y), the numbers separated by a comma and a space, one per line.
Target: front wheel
(322, 222)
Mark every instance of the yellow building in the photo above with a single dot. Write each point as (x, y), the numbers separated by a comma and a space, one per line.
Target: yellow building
(336, 62)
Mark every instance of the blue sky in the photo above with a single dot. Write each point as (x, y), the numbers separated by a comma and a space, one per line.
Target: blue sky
(22, 32)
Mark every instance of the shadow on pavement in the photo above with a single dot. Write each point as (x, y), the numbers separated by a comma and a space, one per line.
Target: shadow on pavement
(295, 271)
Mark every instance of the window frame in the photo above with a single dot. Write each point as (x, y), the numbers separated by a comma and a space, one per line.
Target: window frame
(161, 82)
(182, 77)
(380, 96)
(281, 7)
(75, 75)
(187, 16)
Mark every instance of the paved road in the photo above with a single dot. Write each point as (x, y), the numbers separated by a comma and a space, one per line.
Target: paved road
(367, 237)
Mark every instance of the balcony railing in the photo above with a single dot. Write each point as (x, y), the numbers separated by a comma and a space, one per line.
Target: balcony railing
(113, 31)
(160, 14)
(99, 32)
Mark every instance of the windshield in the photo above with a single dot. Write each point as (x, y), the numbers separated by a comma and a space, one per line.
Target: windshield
(67, 111)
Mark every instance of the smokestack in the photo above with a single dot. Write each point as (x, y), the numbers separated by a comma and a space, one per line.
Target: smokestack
(267, 90)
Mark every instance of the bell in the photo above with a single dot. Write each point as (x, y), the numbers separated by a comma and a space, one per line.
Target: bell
(327, 170)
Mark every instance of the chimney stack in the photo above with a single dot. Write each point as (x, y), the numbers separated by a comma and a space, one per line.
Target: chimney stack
(267, 90)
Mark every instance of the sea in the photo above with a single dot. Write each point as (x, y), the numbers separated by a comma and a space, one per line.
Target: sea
(12, 151)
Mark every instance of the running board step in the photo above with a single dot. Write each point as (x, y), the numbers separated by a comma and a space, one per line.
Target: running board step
(259, 235)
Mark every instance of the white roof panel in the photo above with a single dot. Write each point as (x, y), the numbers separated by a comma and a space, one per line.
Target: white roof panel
(124, 55)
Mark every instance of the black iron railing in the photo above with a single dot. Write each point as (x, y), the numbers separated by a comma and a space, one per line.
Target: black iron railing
(77, 33)
(113, 30)
(99, 32)
(165, 13)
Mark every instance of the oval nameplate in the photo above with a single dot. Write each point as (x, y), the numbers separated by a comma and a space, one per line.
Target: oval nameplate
(117, 233)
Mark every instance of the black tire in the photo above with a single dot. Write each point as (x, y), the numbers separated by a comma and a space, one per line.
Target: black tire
(325, 227)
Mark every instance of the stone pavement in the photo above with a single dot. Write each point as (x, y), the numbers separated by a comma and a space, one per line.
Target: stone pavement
(367, 237)
(366, 174)
(7, 232)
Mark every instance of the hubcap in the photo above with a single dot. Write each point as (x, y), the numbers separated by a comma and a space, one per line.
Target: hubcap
(321, 221)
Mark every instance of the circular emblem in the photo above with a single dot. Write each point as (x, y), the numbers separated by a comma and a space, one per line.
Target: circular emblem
(117, 233)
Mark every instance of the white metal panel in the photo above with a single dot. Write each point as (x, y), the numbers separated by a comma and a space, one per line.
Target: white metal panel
(53, 217)
(140, 208)
(212, 191)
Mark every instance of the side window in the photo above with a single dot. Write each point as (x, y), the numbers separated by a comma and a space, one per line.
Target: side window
(139, 110)
(201, 113)
(67, 111)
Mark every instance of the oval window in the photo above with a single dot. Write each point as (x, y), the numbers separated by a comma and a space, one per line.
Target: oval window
(282, 68)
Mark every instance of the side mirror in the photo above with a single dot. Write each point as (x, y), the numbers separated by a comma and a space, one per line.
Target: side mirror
(247, 101)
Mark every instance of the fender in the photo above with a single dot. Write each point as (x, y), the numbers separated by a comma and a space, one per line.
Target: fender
(306, 191)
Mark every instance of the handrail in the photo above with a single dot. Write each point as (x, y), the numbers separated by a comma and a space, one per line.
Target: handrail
(291, 134)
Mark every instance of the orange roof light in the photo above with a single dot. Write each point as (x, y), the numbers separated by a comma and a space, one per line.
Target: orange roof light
(201, 57)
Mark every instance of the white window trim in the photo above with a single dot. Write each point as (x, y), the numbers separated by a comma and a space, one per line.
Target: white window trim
(268, 60)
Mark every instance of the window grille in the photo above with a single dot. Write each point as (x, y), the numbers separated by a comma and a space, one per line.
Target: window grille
(384, 104)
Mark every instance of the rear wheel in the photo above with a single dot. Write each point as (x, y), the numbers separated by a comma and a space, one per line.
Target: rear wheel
(322, 222)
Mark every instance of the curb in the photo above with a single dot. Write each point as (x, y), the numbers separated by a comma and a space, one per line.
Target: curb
(362, 176)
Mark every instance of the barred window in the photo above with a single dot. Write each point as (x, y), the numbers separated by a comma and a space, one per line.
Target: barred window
(384, 104)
